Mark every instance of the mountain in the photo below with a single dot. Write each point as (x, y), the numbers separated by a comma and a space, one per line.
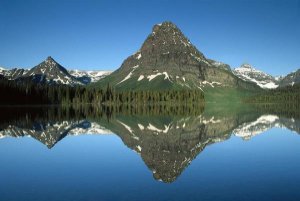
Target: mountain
(248, 73)
(51, 72)
(87, 77)
(290, 79)
(168, 60)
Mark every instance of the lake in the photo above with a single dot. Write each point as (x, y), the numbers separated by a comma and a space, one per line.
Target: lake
(212, 153)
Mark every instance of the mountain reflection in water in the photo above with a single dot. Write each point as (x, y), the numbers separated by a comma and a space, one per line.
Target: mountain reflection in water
(166, 142)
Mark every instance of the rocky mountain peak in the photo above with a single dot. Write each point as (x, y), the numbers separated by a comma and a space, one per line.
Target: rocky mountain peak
(52, 63)
(165, 27)
(246, 66)
(168, 59)
(50, 71)
(49, 58)
(166, 38)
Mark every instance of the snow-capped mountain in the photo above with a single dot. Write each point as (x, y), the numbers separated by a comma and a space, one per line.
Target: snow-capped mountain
(51, 72)
(89, 76)
(249, 73)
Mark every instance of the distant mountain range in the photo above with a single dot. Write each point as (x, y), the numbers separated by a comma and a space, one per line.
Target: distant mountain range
(166, 60)
(51, 72)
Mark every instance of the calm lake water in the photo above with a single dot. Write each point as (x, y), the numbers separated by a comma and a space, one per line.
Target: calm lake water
(215, 154)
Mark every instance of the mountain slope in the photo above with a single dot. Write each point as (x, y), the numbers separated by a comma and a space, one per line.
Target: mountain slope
(168, 60)
(248, 73)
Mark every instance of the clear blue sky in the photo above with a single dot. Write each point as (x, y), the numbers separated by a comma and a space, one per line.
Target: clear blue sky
(101, 34)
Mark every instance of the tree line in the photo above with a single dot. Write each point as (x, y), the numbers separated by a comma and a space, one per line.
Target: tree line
(30, 93)
(288, 94)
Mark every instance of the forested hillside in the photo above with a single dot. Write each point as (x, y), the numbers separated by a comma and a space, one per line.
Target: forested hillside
(288, 94)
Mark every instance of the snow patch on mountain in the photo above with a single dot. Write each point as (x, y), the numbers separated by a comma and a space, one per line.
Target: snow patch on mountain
(153, 128)
(90, 76)
(129, 75)
(212, 84)
(141, 77)
(151, 77)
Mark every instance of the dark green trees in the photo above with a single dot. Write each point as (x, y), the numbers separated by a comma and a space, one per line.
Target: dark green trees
(29, 93)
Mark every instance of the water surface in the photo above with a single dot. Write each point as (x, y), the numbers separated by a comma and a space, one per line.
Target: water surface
(54, 154)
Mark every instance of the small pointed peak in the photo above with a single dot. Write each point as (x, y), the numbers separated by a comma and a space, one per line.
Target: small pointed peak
(49, 58)
(164, 25)
(167, 24)
(246, 65)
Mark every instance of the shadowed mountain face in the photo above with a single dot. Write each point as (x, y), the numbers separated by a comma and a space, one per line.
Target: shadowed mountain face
(166, 143)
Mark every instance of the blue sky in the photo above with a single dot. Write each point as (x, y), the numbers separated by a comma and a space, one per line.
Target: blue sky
(99, 35)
